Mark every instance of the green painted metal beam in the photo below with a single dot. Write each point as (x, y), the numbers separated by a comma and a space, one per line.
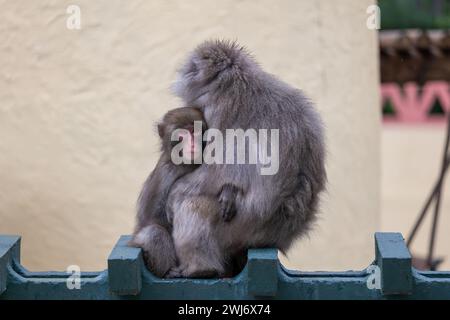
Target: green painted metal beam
(263, 277)
(394, 261)
(124, 268)
(262, 272)
(9, 250)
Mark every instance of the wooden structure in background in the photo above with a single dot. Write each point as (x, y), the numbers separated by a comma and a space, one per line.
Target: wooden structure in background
(414, 56)
(415, 75)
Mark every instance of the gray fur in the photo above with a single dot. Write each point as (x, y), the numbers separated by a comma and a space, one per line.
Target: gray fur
(233, 91)
(153, 229)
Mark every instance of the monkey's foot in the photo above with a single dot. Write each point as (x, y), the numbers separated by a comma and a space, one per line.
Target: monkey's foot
(187, 272)
(175, 272)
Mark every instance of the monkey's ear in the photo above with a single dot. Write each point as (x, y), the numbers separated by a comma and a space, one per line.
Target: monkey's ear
(160, 130)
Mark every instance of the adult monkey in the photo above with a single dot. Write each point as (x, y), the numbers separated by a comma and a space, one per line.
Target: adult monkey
(233, 91)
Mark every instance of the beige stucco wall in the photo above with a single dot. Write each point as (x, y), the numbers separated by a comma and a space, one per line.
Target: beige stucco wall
(77, 107)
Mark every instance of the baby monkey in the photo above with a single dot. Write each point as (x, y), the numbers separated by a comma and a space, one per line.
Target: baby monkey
(153, 228)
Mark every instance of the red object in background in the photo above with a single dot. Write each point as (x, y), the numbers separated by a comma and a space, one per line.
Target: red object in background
(412, 103)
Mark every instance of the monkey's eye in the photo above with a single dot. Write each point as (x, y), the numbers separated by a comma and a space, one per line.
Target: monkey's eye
(193, 69)
(174, 143)
(180, 138)
(190, 128)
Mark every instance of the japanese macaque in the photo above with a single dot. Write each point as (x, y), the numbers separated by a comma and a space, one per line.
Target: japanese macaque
(211, 230)
(153, 230)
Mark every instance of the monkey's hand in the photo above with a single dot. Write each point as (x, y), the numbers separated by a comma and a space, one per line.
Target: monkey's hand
(227, 201)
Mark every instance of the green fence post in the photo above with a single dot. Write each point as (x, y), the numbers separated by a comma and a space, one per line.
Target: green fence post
(262, 272)
(124, 268)
(394, 260)
(9, 249)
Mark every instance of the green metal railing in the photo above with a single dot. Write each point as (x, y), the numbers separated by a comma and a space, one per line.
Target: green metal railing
(390, 276)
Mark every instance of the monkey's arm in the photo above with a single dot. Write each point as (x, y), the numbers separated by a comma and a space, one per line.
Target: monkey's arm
(153, 197)
(149, 201)
(227, 200)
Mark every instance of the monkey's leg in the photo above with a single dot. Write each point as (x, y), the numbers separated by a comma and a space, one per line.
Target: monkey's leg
(198, 251)
(158, 248)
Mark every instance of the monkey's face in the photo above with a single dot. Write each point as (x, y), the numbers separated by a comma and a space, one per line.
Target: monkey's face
(190, 84)
(181, 132)
(187, 143)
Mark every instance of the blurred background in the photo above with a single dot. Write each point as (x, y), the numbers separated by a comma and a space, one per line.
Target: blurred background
(78, 103)
(415, 73)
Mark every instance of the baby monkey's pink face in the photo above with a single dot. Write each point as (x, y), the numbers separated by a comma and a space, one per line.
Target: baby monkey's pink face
(191, 143)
